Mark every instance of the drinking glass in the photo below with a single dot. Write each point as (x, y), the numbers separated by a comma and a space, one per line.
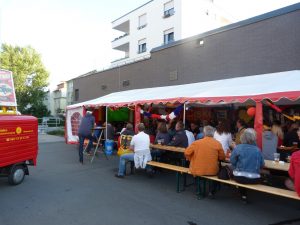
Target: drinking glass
(276, 157)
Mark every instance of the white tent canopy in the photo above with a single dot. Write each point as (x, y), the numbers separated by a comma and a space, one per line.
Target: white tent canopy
(274, 86)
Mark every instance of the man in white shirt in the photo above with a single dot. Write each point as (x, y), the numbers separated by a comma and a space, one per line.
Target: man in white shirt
(140, 144)
(190, 137)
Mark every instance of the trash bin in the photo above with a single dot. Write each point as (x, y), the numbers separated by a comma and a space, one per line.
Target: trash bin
(109, 145)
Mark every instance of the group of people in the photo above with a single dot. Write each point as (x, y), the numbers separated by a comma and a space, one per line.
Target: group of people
(206, 146)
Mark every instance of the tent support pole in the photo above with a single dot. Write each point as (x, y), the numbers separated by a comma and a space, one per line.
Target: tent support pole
(137, 117)
(184, 108)
(106, 112)
(258, 123)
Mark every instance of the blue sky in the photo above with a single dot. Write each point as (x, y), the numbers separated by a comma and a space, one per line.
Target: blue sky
(74, 36)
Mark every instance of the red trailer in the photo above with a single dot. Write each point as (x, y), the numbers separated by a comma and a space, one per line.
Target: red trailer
(18, 146)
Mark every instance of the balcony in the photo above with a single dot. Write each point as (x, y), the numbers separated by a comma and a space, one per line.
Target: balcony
(122, 26)
(121, 43)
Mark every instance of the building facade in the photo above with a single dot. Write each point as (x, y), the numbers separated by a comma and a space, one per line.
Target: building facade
(60, 99)
(264, 44)
(160, 22)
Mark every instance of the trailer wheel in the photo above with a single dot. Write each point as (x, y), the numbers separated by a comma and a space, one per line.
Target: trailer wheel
(17, 175)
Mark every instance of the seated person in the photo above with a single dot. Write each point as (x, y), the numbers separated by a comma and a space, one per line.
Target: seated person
(194, 129)
(162, 134)
(128, 130)
(162, 137)
(204, 155)
(140, 145)
(190, 137)
(246, 160)
(180, 139)
(293, 183)
(269, 143)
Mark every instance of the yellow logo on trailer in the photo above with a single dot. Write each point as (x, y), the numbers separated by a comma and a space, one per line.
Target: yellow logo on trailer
(18, 130)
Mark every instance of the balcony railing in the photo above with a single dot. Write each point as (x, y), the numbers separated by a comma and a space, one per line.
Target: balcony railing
(120, 37)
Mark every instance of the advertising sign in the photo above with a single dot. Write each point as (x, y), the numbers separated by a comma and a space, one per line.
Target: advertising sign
(7, 90)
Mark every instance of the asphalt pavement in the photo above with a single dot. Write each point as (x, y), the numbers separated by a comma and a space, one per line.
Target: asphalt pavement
(60, 191)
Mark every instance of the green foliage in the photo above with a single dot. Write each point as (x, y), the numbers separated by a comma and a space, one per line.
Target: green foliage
(30, 78)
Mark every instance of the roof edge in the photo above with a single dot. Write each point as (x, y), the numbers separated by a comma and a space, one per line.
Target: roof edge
(132, 11)
(246, 22)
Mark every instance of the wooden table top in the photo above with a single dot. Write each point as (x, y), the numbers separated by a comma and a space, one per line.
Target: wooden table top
(167, 148)
(283, 166)
(269, 164)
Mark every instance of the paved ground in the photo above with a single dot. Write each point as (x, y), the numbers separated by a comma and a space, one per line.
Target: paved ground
(60, 191)
(46, 138)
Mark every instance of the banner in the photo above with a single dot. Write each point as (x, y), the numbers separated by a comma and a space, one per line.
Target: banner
(7, 90)
(73, 120)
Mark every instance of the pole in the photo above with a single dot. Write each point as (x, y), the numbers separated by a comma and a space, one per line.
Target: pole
(106, 123)
(258, 123)
(137, 117)
(184, 107)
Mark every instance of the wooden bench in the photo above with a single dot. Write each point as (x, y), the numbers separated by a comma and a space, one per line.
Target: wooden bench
(257, 187)
(178, 169)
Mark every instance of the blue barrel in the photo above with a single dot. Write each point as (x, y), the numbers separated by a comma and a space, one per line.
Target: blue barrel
(109, 145)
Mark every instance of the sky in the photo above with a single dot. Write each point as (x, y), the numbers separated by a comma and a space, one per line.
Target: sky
(74, 37)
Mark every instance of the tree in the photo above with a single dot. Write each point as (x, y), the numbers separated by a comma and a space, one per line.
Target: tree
(30, 78)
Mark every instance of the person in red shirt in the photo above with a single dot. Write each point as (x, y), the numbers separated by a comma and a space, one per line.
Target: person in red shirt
(293, 183)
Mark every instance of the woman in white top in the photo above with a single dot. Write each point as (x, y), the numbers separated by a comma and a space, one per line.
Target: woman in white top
(223, 135)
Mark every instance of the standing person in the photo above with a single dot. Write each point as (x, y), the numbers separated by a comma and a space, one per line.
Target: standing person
(241, 126)
(85, 131)
(140, 145)
(247, 161)
(204, 155)
(269, 143)
(180, 139)
(223, 135)
(277, 130)
(291, 138)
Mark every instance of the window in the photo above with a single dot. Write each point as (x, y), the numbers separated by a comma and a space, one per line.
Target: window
(76, 94)
(168, 36)
(126, 83)
(142, 21)
(169, 9)
(142, 46)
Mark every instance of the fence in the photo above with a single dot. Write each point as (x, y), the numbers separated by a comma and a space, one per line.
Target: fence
(50, 123)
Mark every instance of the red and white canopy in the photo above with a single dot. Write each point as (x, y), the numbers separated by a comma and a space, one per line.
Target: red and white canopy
(273, 86)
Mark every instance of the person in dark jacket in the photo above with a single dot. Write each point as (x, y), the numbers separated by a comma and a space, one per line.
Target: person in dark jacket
(128, 130)
(291, 138)
(85, 131)
(180, 139)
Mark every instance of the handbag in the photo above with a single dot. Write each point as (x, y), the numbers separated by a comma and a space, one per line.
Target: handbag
(225, 173)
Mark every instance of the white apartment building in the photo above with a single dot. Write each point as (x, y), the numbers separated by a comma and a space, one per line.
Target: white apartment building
(160, 22)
